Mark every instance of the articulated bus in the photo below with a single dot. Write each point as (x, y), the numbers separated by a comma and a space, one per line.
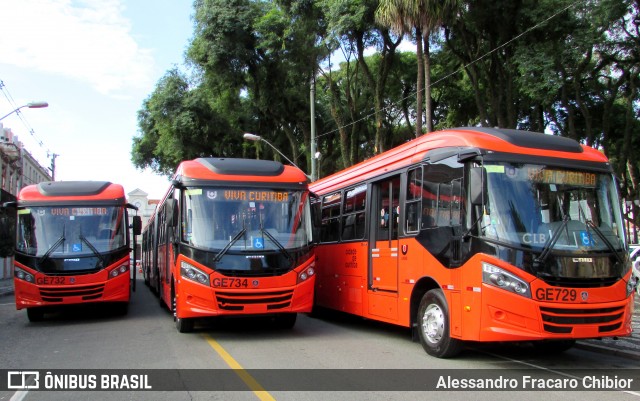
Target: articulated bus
(72, 246)
(232, 237)
(478, 235)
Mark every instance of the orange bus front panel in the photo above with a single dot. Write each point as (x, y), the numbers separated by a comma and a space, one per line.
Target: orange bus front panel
(245, 295)
(46, 290)
(197, 300)
(510, 317)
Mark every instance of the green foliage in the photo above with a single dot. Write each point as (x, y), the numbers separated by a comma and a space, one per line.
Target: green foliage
(571, 68)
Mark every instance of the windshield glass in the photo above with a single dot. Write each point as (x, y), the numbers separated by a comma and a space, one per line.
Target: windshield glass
(530, 205)
(246, 219)
(69, 232)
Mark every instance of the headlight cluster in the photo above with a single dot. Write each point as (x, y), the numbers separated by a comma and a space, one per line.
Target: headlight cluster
(194, 274)
(307, 273)
(118, 271)
(632, 284)
(23, 275)
(500, 278)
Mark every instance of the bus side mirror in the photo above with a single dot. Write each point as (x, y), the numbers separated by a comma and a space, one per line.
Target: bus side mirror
(8, 216)
(316, 213)
(137, 225)
(477, 185)
(171, 212)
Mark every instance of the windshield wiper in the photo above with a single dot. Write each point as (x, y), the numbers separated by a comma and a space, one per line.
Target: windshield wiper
(278, 244)
(590, 224)
(55, 245)
(605, 240)
(230, 244)
(93, 249)
(546, 250)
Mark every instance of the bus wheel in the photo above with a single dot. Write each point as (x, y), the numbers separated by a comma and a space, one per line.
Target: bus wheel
(121, 308)
(433, 326)
(183, 324)
(553, 346)
(35, 314)
(285, 320)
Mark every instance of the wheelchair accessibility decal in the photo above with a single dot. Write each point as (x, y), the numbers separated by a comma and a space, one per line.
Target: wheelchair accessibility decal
(586, 238)
(258, 243)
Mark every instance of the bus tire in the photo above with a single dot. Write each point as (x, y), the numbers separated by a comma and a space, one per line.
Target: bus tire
(434, 327)
(285, 320)
(35, 314)
(183, 324)
(121, 308)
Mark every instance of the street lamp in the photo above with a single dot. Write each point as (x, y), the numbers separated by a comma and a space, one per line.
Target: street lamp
(31, 105)
(258, 138)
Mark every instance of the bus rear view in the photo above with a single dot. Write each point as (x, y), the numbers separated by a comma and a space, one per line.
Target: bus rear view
(72, 246)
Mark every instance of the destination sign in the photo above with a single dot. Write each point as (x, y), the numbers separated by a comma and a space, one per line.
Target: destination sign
(547, 176)
(79, 211)
(256, 196)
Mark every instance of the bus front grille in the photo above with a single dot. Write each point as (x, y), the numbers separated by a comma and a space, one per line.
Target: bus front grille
(58, 294)
(563, 320)
(237, 301)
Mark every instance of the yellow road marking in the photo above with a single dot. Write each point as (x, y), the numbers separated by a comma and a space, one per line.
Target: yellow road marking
(252, 383)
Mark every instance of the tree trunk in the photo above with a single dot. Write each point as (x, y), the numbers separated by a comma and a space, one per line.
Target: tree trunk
(420, 82)
(428, 113)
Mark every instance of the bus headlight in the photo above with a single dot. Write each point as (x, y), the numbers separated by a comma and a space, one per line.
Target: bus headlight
(501, 278)
(194, 274)
(632, 284)
(23, 275)
(307, 273)
(118, 271)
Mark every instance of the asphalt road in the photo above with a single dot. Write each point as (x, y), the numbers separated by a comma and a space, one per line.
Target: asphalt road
(333, 352)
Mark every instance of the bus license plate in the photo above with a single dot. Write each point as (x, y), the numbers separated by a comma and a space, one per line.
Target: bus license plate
(230, 283)
(51, 280)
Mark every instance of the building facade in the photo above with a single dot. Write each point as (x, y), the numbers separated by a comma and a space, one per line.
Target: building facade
(146, 207)
(18, 168)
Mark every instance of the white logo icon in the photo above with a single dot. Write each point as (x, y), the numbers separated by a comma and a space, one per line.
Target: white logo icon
(23, 380)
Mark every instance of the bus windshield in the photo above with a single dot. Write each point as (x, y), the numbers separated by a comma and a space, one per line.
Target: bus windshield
(69, 231)
(547, 208)
(246, 220)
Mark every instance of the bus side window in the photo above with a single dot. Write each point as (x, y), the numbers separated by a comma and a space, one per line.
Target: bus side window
(384, 218)
(330, 229)
(414, 200)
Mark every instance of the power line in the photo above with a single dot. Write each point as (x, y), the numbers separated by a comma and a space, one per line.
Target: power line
(461, 69)
(12, 103)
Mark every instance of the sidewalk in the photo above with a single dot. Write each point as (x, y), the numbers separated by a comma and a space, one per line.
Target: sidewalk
(627, 347)
(6, 286)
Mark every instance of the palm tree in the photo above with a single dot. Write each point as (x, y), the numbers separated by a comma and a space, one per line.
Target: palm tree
(425, 17)
(394, 14)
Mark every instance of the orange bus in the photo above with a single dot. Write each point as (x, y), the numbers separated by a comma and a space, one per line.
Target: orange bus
(478, 235)
(72, 246)
(232, 237)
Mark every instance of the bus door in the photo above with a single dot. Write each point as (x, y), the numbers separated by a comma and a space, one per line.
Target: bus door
(383, 244)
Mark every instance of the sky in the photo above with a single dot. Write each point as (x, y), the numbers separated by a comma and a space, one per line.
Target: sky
(94, 62)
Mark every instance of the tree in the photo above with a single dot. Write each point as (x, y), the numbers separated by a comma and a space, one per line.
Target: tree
(179, 123)
(353, 22)
(425, 17)
(397, 15)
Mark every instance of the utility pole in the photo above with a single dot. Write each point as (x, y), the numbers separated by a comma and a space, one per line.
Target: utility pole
(312, 101)
(53, 166)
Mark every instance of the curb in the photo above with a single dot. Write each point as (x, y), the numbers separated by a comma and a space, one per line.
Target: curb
(609, 350)
(6, 287)
(6, 291)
